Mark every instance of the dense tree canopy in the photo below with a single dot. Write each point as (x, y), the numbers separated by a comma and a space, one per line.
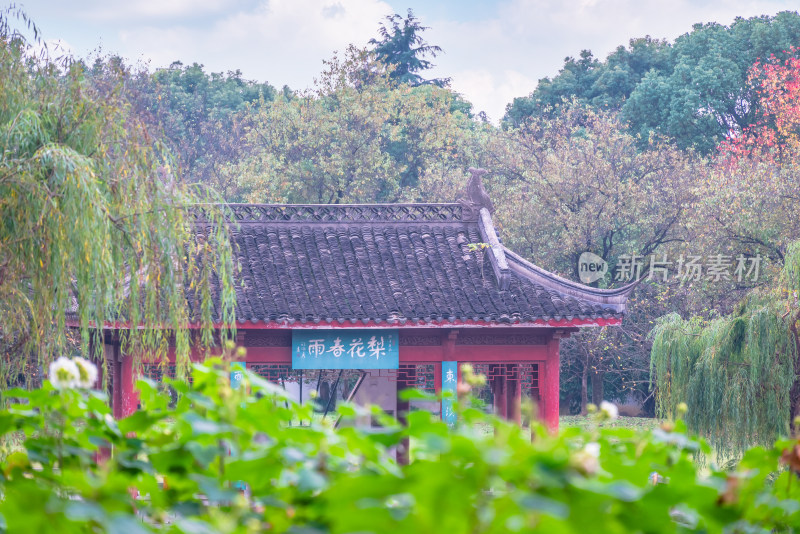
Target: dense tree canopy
(694, 91)
(705, 93)
(663, 149)
(198, 115)
(358, 137)
(578, 179)
(605, 85)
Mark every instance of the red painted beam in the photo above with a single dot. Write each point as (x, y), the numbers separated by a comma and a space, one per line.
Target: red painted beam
(464, 353)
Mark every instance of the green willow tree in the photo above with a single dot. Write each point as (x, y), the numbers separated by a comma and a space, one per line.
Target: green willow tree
(740, 373)
(94, 226)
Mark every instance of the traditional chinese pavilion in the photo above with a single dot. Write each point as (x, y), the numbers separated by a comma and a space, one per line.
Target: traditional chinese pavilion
(358, 301)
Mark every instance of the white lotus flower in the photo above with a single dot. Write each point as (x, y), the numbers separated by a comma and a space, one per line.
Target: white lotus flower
(87, 373)
(593, 449)
(64, 374)
(609, 410)
(586, 460)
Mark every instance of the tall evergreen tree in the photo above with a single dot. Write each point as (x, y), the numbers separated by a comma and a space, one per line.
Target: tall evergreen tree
(402, 47)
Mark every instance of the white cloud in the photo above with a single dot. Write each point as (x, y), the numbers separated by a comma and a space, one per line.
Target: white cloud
(155, 9)
(283, 41)
(491, 61)
(491, 91)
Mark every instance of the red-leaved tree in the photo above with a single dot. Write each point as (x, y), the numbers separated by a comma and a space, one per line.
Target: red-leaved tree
(775, 134)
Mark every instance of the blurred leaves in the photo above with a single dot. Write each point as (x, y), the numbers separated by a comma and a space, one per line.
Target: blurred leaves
(232, 463)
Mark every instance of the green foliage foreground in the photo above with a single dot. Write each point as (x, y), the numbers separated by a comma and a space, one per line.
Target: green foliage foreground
(178, 469)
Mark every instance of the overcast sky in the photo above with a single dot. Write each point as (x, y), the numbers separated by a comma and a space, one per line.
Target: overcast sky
(493, 51)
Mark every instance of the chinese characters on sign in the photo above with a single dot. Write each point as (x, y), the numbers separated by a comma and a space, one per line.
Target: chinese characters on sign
(449, 383)
(237, 374)
(714, 268)
(345, 349)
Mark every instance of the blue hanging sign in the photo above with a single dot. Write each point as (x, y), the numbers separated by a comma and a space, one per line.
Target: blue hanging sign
(345, 348)
(449, 383)
(237, 374)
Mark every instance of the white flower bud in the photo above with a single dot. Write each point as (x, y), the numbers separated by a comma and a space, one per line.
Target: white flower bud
(586, 460)
(593, 449)
(64, 374)
(609, 410)
(87, 373)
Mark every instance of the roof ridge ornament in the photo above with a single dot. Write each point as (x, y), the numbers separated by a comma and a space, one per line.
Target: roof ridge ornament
(477, 197)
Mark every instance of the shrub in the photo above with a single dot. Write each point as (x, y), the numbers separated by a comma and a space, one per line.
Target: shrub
(235, 460)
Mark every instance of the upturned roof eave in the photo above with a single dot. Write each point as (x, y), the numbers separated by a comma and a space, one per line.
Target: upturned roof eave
(616, 298)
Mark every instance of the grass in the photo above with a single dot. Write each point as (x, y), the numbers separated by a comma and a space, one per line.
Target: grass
(582, 421)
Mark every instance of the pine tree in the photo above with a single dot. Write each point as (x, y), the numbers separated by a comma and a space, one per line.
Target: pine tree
(402, 47)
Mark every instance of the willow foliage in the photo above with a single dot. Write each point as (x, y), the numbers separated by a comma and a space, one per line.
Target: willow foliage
(93, 222)
(736, 373)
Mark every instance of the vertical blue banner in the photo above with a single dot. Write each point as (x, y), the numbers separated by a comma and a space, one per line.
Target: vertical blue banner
(236, 374)
(449, 383)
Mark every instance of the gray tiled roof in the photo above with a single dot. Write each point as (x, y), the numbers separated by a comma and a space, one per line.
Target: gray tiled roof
(394, 263)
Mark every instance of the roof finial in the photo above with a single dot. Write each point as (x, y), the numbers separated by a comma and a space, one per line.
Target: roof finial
(476, 194)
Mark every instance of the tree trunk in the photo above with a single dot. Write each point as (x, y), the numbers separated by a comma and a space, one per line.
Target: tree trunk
(597, 387)
(584, 387)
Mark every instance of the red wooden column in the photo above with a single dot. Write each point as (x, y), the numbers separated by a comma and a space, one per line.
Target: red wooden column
(550, 385)
(437, 377)
(125, 399)
(449, 345)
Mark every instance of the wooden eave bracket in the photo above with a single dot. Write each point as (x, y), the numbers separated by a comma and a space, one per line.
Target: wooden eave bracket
(497, 256)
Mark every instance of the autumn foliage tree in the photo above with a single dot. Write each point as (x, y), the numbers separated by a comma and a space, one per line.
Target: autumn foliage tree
(578, 180)
(738, 371)
(747, 199)
(775, 134)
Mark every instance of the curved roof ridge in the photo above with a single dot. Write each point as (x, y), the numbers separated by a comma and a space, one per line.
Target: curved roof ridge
(449, 212)
(618, 296)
